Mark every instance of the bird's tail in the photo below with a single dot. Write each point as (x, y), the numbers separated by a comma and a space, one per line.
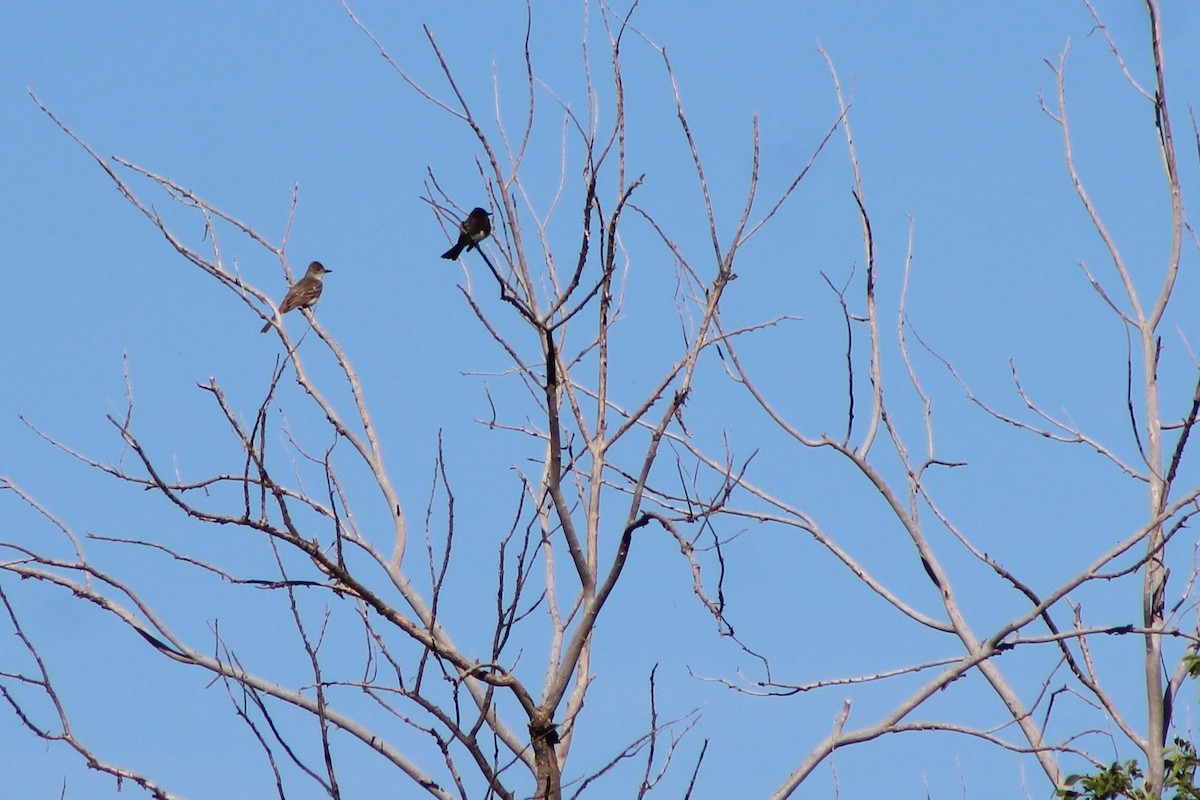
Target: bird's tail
(453, 253)
(267, 327)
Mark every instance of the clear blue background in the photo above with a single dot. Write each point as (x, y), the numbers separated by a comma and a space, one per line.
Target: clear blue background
(238, 101)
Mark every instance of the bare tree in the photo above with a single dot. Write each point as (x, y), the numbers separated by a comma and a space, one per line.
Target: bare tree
(877, 442)
(498, 727)
(600, 463)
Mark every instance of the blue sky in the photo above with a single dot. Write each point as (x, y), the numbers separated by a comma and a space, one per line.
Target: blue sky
(241, 101)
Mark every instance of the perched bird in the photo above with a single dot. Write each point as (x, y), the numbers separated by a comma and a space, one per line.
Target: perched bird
(473, 230)
(304, 293)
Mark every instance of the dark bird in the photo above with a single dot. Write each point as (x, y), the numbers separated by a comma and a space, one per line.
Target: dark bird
(304, 293)
(473, 230)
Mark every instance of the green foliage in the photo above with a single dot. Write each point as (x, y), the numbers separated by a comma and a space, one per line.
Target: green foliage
(1107, 784)
(1121, 781)
(1180, 766)
(1192, 663)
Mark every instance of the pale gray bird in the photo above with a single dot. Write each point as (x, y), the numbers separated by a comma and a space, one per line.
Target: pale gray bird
(304, 293)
